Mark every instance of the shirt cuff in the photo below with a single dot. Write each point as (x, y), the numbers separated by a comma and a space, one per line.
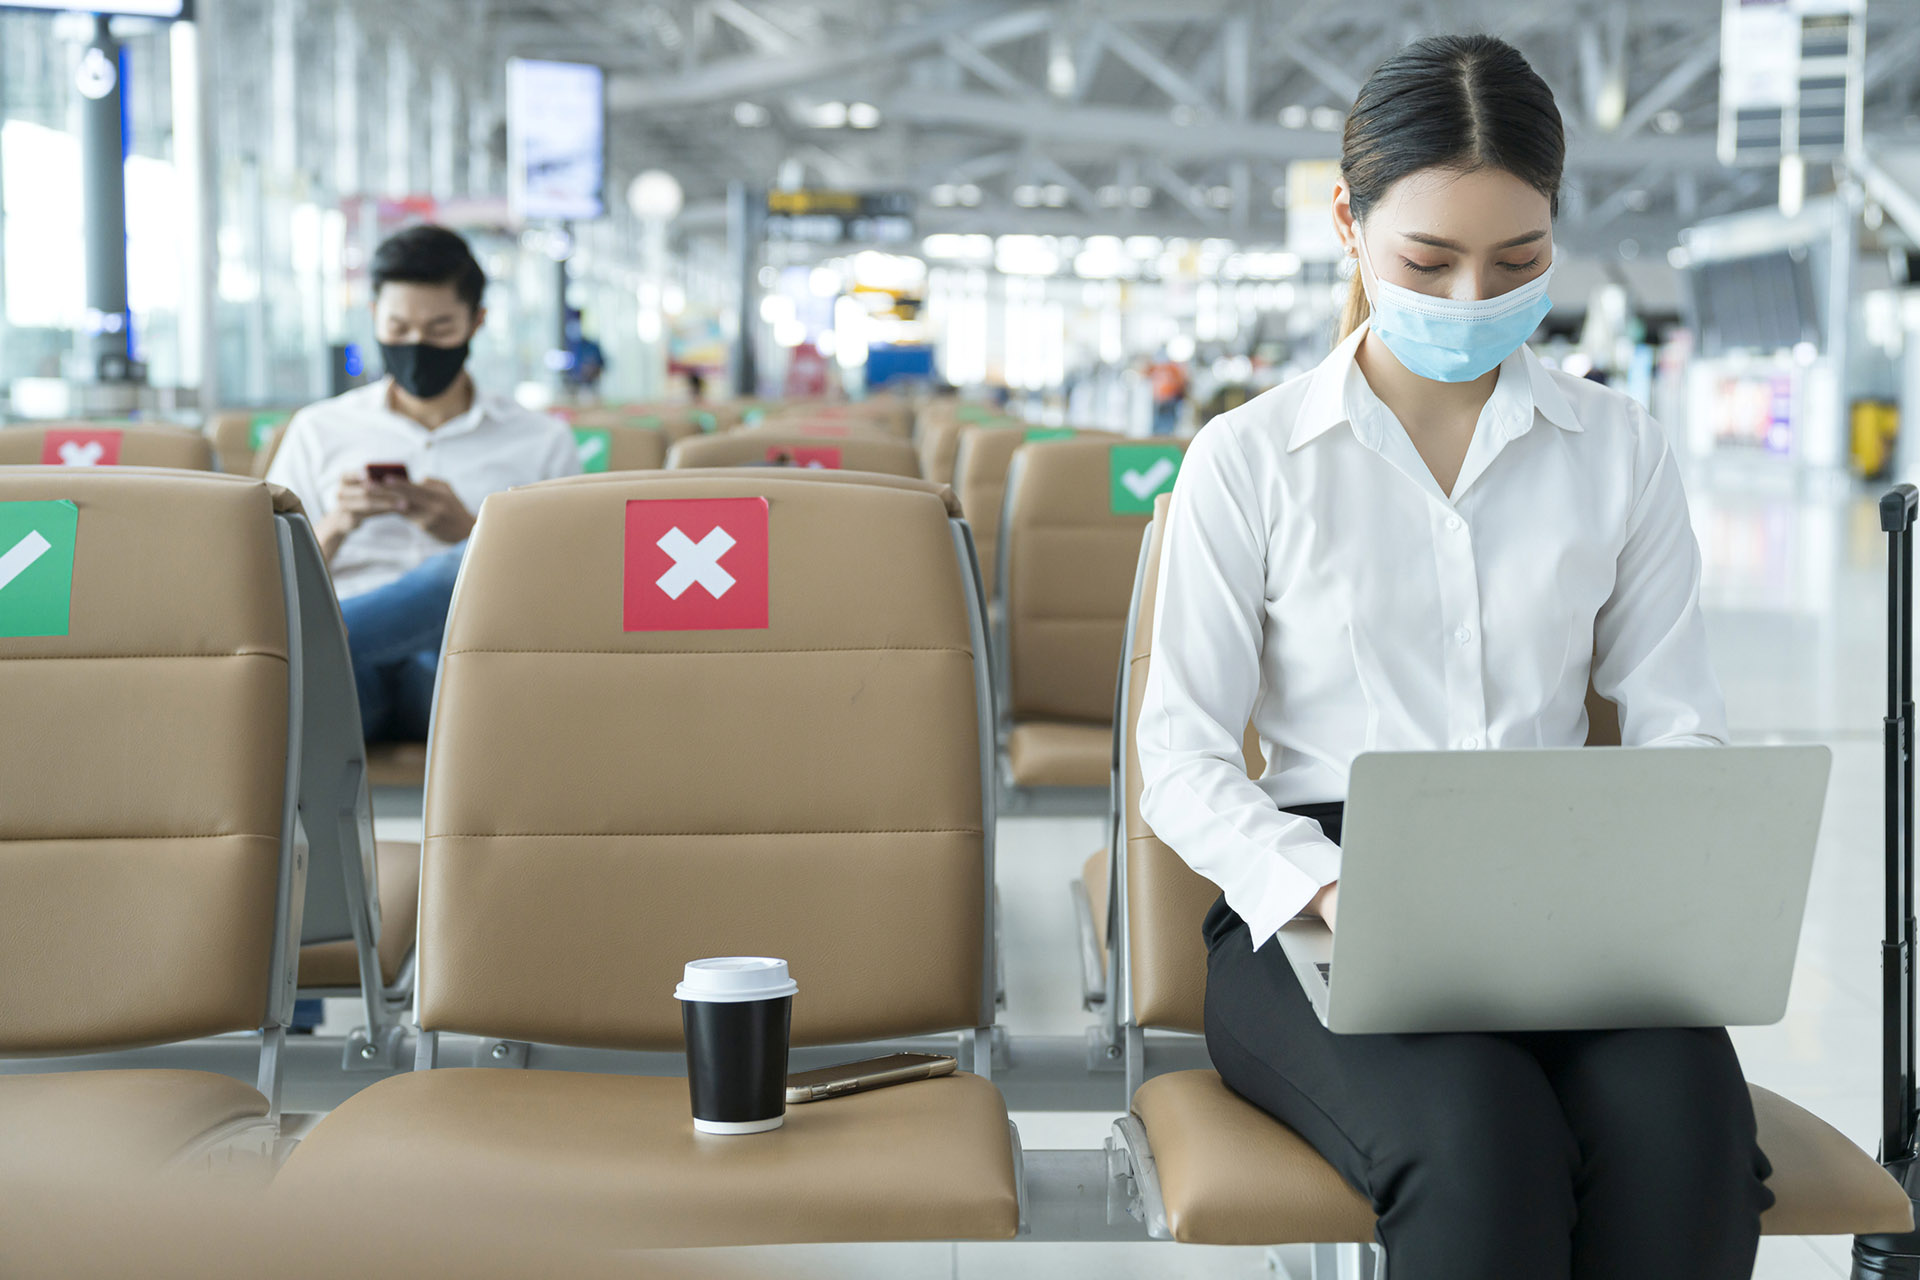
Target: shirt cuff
(1292, 881)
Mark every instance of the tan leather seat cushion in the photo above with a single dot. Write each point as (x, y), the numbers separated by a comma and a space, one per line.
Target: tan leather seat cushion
(334, 964)
(614, 1160)
(396, 764)
(1231, 1174)
(1045, 753)
(1822, 1184)
(126, 1121)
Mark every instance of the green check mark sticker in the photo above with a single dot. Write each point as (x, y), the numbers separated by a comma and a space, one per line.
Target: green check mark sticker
(1139, 473)
(594, 444)
(260, 430)
(36, 567)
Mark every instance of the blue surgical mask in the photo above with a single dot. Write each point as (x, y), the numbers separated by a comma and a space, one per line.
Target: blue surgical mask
(1446, 339)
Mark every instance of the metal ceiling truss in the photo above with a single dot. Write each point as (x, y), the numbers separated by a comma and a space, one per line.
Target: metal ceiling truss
(1201, 104)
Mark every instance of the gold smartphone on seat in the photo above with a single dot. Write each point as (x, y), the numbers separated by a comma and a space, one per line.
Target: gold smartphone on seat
(874, 1073)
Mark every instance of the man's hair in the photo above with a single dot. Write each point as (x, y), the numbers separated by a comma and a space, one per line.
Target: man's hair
(429, 255)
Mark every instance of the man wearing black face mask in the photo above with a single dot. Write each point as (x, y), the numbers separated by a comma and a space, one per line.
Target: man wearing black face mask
(393, 473)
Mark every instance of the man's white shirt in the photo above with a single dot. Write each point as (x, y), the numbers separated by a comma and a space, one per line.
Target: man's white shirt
(1316, 582)
(492, 446)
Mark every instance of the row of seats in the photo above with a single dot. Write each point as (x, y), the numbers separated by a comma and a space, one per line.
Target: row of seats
(558, 898)
(1066, 582)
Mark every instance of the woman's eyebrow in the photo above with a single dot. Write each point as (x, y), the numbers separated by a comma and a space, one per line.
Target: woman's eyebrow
(1439, 243)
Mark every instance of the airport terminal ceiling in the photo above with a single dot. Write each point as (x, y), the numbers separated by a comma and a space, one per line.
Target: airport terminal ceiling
(1118, 116)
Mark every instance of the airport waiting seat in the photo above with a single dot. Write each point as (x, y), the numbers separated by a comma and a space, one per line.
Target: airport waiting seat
(982, 457)
(674, 422)
(937, 437)
(620, 448)
(761, 782)
(105, 444)
(243, 439)
(1208, 1167)
(149, 891)
(1069, 542)
(775, 446)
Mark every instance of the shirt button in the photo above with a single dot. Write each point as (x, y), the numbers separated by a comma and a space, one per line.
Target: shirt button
(1469, 744)
(1463, 635)
(1453, 524)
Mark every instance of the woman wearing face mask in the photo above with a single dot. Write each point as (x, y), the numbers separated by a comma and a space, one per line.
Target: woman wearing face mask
(1432, 542)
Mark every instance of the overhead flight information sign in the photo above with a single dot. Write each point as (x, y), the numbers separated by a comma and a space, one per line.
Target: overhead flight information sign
(118, 8)
(840, 217)
(556, 139)
(1790, 78)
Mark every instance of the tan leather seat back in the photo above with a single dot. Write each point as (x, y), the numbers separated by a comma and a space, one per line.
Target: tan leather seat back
(143, 758)
(939, 440)
(980, 463)
(1068, 561)
(99, 444)
(762, 446)
(1167, 899)
(604, 805)
(674, 422)
(620, 448)
(242, 437)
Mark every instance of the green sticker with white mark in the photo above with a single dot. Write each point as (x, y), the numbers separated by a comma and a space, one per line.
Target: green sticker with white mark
(594, 445)
(36, 567)
(1138, 474)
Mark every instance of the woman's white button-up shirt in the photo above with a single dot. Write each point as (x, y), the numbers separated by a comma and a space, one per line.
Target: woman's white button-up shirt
(1316, 582)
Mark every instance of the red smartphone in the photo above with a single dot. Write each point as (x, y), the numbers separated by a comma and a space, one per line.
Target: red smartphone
(387, 472)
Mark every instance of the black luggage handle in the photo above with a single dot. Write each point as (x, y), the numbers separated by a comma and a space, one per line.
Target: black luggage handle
(1897, 1256)
(1897, 512)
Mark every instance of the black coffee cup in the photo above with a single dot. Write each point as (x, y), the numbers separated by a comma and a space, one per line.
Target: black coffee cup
(736, 1011)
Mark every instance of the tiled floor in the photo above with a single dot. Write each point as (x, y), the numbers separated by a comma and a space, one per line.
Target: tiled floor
(1794, 587)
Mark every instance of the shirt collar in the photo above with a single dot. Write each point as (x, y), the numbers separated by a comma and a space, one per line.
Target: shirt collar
(476, 415)
(1337, 392)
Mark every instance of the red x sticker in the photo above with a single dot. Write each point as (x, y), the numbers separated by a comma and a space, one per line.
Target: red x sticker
(80, 447)
(796, 455)
(696, 564)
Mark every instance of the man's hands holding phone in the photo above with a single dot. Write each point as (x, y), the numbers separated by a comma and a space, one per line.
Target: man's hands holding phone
(384, 489)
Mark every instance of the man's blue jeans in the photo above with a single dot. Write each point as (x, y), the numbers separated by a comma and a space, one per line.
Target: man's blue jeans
(393, 635)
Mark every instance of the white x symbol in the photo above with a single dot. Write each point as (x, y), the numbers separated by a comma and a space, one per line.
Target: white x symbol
(695, 562)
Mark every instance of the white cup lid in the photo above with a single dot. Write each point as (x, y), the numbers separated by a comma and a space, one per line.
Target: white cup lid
(733, 979)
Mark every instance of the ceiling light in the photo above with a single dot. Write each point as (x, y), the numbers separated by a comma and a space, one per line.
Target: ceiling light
(1054, 195)
(830, 115)
(1294, 116)
(969, 194)
(1027, 196)
(1668, 121)
(944, 195)
(1140, 197)
(1326, 119)
(863, 115)
(749, 115)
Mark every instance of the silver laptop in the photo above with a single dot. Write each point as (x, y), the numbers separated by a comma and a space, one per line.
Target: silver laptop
(1570, 888)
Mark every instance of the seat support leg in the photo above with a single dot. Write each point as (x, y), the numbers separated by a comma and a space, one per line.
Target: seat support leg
(1892, 1257)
